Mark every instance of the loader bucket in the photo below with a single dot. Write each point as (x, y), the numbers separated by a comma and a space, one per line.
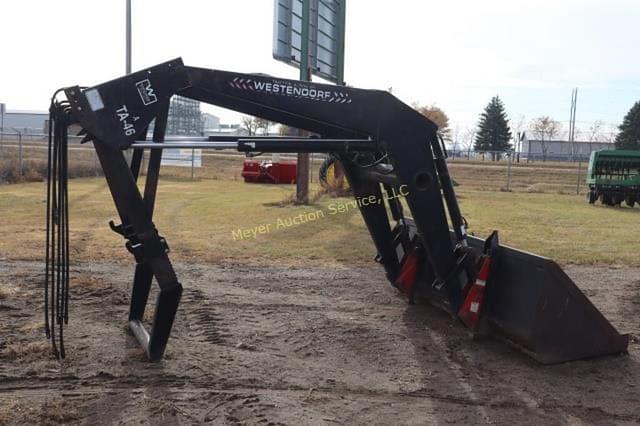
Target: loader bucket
(534, 305)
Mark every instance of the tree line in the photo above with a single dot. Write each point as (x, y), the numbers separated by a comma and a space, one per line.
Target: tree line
(494, 132)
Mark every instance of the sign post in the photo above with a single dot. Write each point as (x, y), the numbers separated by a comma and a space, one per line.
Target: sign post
(302, 169)
(309, 35)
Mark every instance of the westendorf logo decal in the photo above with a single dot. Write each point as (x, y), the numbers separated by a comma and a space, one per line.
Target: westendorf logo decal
(288, 89)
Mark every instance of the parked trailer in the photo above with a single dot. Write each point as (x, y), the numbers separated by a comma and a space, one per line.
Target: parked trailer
(614, 177)
(277, 172)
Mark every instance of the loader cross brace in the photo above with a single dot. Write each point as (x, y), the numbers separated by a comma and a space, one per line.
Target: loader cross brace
(382, 144)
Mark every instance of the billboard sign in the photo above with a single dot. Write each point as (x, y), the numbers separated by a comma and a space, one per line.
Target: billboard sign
(326, 36)
(179, 157)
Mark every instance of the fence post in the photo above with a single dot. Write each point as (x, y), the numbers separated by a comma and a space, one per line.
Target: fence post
(509, 171)
(193, 159)
(20, 153)
(2, 111)
(578, 181)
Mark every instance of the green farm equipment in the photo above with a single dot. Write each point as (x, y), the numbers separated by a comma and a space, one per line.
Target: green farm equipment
(614, 177)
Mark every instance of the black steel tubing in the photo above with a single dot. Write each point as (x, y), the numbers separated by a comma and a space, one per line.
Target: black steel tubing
(306, 145)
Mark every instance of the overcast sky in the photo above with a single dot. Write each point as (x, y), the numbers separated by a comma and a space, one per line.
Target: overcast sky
(455, 54)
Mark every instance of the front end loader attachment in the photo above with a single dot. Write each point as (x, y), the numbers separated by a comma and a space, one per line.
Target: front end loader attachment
(386, 149)
(534, 305)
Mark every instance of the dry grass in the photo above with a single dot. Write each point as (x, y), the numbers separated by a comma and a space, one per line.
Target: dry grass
(199, 218)
(58, 411)
(31, 327)
(7, 290)
(8, 412)
(36, 171)
(83, 163)
(525, 177)
(562, 227)
(28, 352)
(480, 175)
(53, 411)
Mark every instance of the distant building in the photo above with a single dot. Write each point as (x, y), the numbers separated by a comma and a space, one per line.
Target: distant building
(184, 118)
(226, 130)
(231, 128)
(26, 122)
(210, 122)
(556, 150)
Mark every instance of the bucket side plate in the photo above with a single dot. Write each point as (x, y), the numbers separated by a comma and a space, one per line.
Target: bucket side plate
(534, 305)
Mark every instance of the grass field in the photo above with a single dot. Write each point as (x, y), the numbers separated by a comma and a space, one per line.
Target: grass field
(537, 177)
(199, 218)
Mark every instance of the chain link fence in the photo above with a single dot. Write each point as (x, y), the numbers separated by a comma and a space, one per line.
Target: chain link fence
(23, 157)
(522, 172)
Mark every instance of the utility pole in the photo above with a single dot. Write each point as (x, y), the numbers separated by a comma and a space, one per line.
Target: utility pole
(572, 135)
(128, 38)
(2, 108)
(302, 169)
(572, 122)
(128, 154)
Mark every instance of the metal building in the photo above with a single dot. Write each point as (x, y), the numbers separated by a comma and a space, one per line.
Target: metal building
(558, 150)
(185, 117)
(210, 122)
(25, 122)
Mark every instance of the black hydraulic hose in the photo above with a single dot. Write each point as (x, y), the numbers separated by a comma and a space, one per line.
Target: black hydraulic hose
(54, 208)
(48, 225)
(59, 259)
(56, 286)
(66, 226)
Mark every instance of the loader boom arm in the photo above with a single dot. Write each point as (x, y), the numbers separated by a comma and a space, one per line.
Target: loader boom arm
(407, 138)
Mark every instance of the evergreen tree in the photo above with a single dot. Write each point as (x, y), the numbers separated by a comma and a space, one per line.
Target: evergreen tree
(629, 136)
(493, 128)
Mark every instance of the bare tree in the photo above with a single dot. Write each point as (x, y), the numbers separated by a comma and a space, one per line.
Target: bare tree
(610, 135)
(518, 125)
(594, 133)
(467, 139)
(263, 125)
(545, 129)
(285, 130)
(455, 139)
(249, 125)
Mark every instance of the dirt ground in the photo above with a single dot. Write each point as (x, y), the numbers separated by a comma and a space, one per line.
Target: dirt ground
(269, 345)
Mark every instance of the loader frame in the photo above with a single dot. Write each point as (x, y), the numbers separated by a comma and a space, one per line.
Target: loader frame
(384, 146)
